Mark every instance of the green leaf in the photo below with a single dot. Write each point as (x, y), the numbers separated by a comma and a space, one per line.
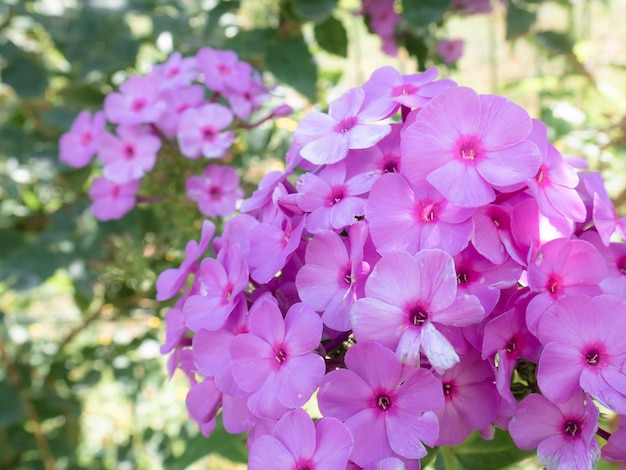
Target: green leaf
(332, 36)
(498, 453)
(290, 60)
(26, 75)
(314, 10)
(421, 13)
(555, 41)
(518, 21)
(416, 46)
(11, 410)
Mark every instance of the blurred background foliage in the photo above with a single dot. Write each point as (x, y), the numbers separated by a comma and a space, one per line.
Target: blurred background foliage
(82, 383)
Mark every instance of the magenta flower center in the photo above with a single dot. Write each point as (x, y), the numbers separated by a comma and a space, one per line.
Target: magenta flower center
(553, 284)
(541, 174)
(448, 388)
(306, 465)
(280, 355)
(215, 193)
(347, 277)
(621, 265)
(172, 72)
(418, 316)
(346, 124)
(86, 138)
(391, 164)
(208, 133)
(223, 69)
(404, 90)
(469, 147)
(592, 357)
(383, 402)
(427, 213)
(511, 345)
(336, 195)
(138, 104)
(572, 428)
(128, 151)
(462, 278)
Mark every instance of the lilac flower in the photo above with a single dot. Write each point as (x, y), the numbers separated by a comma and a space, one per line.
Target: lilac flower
(176, 73)
(297, 444)
(137, 102)
(326, 138)
(177, 101)
(615, 256)
(216, 191)
(386, 405)
(128, 155)
(384, 157)
(615, 448)
(275, 361)
(219, 284)
(333, 201)
(203, 402)
(584, 347)
(470, 396)
(78, 146)
(405, 297)
(563, 434)
(562, 267)
(112, 200)
(465, 145)
(492, 233)
(201, 131)
(171, 280)
(605, 216)
(223, 71)
(450, 50)
(331, 279)
(408, 218)
(388, 89)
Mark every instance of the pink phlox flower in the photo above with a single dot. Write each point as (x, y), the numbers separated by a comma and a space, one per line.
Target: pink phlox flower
(171, 280)
(384, 157)
(404, 217)
(615, 449)
(112, 200)
(332, 201)
(584, 347)
(211, 351)
(479, 277)
(236, 231)
(218, 286)
(78, 146)
(216, 191)
(605, 216)
(554, 184)
(176, 73)
(450, 50)
(466, 144)
(326, 138)
(470, 395)
(531, 230)
(298, 444)
(332, 279)
(223, 71)
(203, 402)
(615, 256)
(563, 434)
(406, 297)
(129, 155)
(383, 20)
(562, 268)
(243, 104)
(492, 236)
(388, 89)
(271, 245)
(386, 405)
(138, 102)
(175, 329)
(507, 337)
(177, 101)
(276, 360)
(201, 131)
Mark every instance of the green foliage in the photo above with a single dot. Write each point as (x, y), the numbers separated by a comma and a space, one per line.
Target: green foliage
(422, 13)
(332, 37)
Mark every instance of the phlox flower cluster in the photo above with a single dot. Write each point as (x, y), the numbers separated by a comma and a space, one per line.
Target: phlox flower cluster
(428, 265)
(194, 104)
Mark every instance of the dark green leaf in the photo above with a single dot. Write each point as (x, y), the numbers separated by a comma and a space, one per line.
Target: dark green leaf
(332, 36)
(11, 409)
(421, 13)
(290, 60)
(416, 46)
(555, 41)
(26, 75)
(518, 21)
(314, 10)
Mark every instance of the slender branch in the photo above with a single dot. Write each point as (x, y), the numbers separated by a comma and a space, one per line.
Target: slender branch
(16, 380)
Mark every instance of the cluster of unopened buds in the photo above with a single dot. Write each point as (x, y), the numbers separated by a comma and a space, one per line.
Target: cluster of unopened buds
(197, 101)
(426, 266)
